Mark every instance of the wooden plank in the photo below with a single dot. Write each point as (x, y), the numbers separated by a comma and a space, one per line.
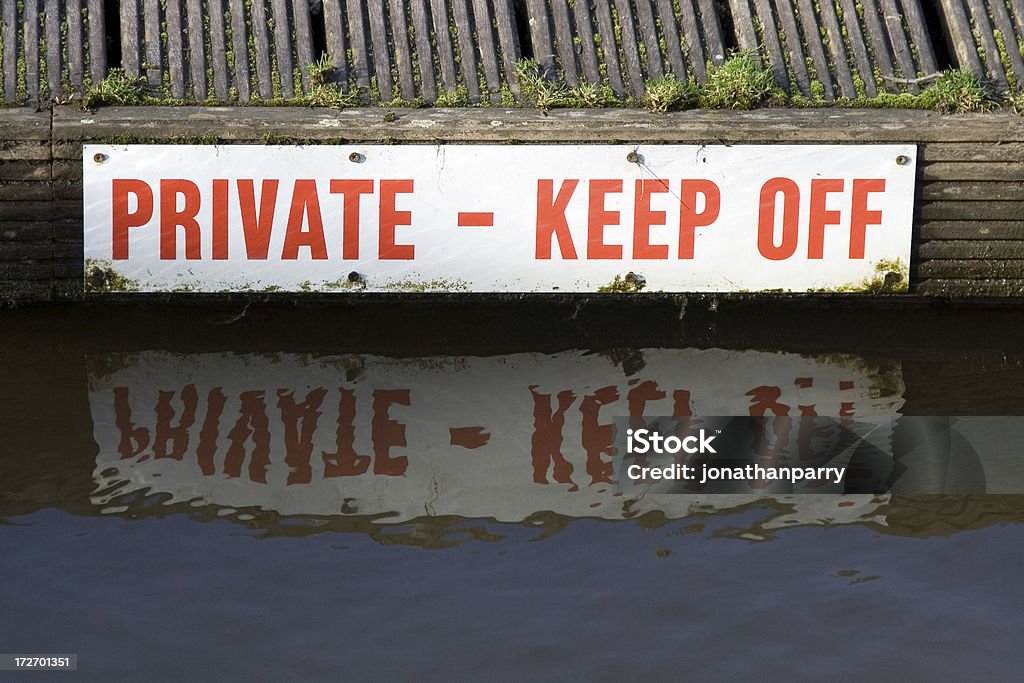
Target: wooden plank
(648, 29)
(424, 51)
(381, 54)
(959, 151)
(240, 49)
(974, 190)
(175, 48)
(476, 125)
(508, 40)
(770, 38)
(303, 39)
(837, 49)
(30, 20)
(8, 13)
(196, 49)
(564, 46)
(983, 29)
(76, 43)
(953, 170)
(963, 39)
(154, 49)
(972, 288)
(97, 41)
(919, 38)
(972, 249)
(812, 37)
(711, 30)
(131, 58)
(857, 44)
(609, 48)
(669, 29)
(797, 58)
(443, 40)
(24, 150)
(590, 70)
(467, 49)
(360, 44)
(25, 211)
(898, 41)
(973, 230)
(488, 52)
(27, 231)
(630, 48)
(54, 46)
(403, 55)
(1005, 26)
(283, 47)
(25, 170)
(743, 25)
(261, 46)
(879, 40)
(967, 210)
(14, 190)
(540, 34)
(334, 29)
(218, 49)
(971, 269)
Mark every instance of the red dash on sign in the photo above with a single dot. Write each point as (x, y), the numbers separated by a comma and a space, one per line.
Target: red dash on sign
(476, 219)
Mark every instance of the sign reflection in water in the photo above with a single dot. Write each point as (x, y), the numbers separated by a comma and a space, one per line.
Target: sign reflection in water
(500, 437)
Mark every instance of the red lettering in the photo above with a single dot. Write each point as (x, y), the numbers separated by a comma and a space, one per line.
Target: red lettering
(388, 433)
(299, 427)
(391, 219)
(305, 209)
(257, 230)
(546, 445)
(165, 432)
(352, 191)
(598, 438)
(860, 217)
(252, 422)
(640, 395)
(345, 462)
(600, 218)
(129, 432)
(790, 219)
(689, 219)
(820, 215)
(551, 223)
(644, 218)
(122, 219)
(171, 218)
(210, 432)
(220, 219)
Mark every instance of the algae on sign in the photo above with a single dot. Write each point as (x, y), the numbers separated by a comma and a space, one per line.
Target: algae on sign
(629, 283)
(101, 276)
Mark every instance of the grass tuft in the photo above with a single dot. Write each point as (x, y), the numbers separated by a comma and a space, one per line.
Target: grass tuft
(669, 94)
(118, 88)
(738, 83)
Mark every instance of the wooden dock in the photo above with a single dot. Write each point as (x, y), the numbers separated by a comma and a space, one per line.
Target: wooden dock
(969, 214)
(466, 51)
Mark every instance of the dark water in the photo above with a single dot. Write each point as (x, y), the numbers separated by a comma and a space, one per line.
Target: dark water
(406, 491)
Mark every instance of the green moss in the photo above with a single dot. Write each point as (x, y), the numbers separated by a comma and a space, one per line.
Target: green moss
(890, 277)
(670, 94)
(435, 285)
(101, 276)
(738, 83)
(630, 283)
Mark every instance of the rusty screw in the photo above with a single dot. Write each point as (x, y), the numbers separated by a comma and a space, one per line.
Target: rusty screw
(902, 160)
(356, 158)
(99, 157)
(633, 157)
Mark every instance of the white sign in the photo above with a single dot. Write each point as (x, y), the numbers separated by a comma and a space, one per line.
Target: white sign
(488, 218)
(498, 437)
